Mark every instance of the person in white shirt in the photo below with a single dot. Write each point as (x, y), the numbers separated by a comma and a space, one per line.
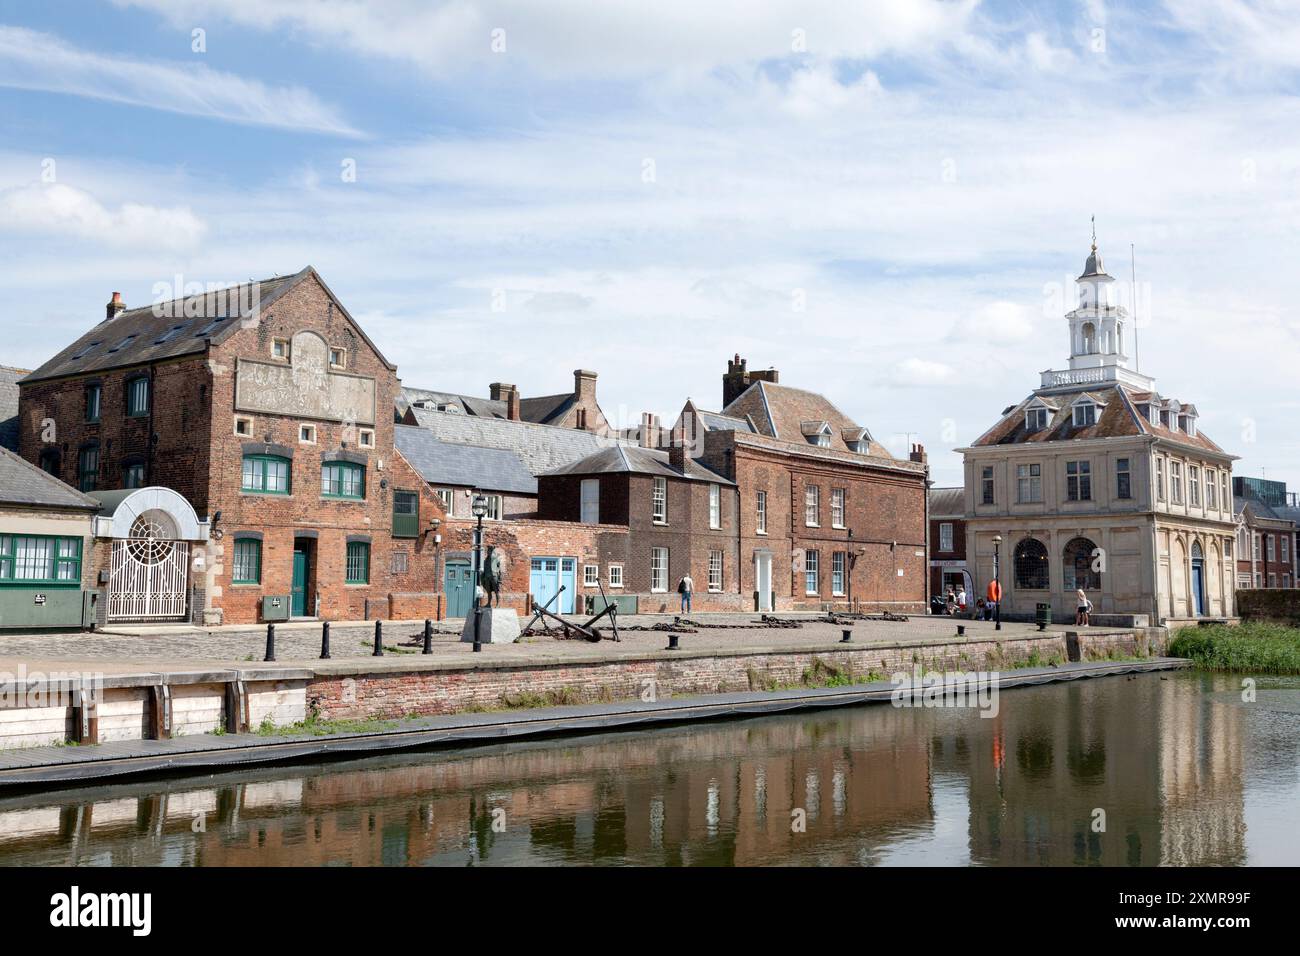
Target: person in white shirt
(684, 587)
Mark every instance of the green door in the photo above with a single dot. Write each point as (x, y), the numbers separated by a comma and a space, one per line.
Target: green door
(459, 588)
(299, 608)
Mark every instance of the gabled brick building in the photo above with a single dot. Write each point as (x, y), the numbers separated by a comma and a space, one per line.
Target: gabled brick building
(827, 517)
(268, 411)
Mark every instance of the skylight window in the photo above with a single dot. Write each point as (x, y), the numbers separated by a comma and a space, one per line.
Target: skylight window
(123, 344)
(168, 335)
(85, 350)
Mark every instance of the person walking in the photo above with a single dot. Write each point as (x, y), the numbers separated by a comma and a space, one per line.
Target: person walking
(961, 601)
(1083, 608)
(685, 587)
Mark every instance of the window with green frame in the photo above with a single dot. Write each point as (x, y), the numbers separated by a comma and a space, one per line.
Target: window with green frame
(358, 564)
(137, 396)
(93, 395)
(133, 475)
(37, 559)
(268, 474)
(248, 562)
(342, 479)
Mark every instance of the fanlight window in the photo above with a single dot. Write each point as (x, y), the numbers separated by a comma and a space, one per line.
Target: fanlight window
(1031, 565)
(1081, 569)
(152, 537)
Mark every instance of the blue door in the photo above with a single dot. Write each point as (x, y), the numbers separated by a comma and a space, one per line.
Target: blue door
(1198, 579)
(458, 584)
(546, 577)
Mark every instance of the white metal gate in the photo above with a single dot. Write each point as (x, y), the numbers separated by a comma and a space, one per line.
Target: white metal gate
(150, 572)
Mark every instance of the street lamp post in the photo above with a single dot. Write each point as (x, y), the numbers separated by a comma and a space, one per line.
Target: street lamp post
(479, 510)
(997, 581)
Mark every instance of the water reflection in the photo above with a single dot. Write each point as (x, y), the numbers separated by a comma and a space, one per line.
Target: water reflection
(1119, 772)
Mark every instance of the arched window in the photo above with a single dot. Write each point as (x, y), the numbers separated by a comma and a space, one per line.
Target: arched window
(1197, 553)
(1079, 567)
(1031, 565)
(1089, 338)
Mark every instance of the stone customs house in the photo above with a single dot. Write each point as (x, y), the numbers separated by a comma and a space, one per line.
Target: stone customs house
(251, 435)
(827, 517)
(1096, 481)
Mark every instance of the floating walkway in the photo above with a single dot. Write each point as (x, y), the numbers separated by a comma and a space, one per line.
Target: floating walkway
(68, 765)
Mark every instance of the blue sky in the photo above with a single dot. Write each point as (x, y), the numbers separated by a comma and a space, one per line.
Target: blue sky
(882, 199)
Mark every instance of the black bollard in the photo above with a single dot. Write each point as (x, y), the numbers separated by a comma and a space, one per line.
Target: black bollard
(379, 639)
(428, 636)
(672, 642)
(270, 642)
(961, 630)
(847, 638)
(325, 641)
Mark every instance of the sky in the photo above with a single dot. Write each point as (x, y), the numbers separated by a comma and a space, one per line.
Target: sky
(887, 201)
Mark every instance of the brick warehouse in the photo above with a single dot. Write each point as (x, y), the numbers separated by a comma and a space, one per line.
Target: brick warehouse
(265, 432)
(827, 517)
(269, 412)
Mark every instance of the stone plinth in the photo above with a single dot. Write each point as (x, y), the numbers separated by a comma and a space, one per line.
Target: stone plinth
(500, 625)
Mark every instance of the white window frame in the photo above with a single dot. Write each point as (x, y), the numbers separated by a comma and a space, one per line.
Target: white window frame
(658, 570)
(1211, 489)
(1194, 485)
(839, 561)
(988, 493)
(366, 437)
(591, 575)
(615, 572)
(1027, 478)
(1160, 478)
(760, 505)
(659, 501)
(448, 498)
(495, 506)
(811, 571)
(715, 571)
(1270, 550)
(309, 430)
(715, 506)
(1176, 482)
(1035, 419)
(812, 506)
(945, 536)
(1085, 414)
(837, 507)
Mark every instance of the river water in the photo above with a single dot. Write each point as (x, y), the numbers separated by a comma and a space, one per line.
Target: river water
(1171, 768)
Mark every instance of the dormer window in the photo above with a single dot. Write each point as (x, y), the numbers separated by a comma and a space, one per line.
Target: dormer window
(1036, 419)
(1187, 423)
(817, 433)
(1085, 414)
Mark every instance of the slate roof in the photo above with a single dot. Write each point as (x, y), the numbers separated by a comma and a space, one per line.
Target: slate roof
(162, 331)
(780, 411)
(947, 502)
(540, 410)
(1262, 510)
(542, 448)
(469, 466)
(1117, 418)
(9, 406)
(717, 422)
(636, 460)
(22, 483)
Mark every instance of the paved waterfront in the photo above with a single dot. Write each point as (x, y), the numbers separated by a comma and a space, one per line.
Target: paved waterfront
(301, 641)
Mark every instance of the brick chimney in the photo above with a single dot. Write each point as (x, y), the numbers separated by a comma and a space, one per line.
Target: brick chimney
(739, 378)
(503, 392)
(116, 306)
(584, 386)
(649, 434)
(918, 454)
(677, 454)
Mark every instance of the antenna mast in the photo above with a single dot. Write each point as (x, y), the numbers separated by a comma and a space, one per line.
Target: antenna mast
(1132, 260)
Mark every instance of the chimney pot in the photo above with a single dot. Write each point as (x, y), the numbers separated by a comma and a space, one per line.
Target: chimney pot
(115, 306)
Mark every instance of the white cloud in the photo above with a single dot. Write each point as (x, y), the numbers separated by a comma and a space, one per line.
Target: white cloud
(996, 323)
(60, 210)
(923, 373)
(578, 36)
(30, 60)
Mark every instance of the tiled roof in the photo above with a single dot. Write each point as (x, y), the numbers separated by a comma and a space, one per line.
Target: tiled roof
(642, 461)
(9, 406)
(159, 331)
(947, 502)
(470, 466)
(541, 410)
(780, 411)
(542, 448)
(1117, 417)
(22, 483)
